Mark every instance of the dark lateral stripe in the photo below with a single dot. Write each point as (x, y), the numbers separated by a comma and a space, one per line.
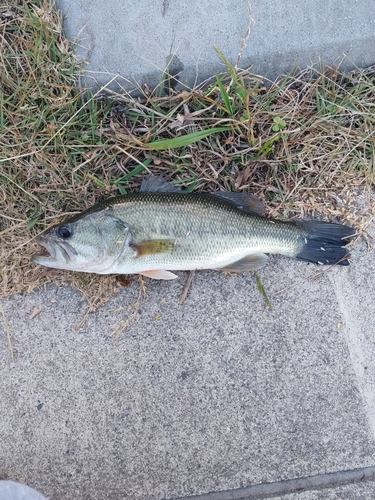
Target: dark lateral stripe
(258, 491)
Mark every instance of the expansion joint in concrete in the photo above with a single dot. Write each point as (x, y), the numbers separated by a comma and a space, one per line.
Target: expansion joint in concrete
(267, 490)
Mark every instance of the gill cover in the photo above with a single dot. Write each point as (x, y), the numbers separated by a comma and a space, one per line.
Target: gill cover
(90, 242)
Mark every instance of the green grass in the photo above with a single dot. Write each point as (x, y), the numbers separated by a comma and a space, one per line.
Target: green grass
(304, 144)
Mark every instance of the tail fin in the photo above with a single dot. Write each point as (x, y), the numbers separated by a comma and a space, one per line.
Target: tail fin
(324, 243)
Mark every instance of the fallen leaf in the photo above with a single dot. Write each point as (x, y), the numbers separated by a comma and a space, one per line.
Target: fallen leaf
(122, 280)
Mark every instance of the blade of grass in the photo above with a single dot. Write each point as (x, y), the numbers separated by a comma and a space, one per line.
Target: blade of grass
(231, 69)
(184, 140)
(224, 95)
(262, 291)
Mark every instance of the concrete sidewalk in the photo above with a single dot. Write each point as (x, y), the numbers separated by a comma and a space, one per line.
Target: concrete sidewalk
(216, 395)
(133, 39)
(221, 398)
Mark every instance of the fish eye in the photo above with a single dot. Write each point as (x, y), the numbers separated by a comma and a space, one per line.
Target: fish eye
(64, 232)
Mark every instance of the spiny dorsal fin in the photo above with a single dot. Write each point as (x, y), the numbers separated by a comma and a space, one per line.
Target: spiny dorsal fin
(151, 247)
(153, 184)
(251, 262)
(243, 201)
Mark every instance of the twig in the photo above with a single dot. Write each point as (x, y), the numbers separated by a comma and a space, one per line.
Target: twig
(11, 228)
(89, 309)
(312, 277)
(247, 34)
(187, 287)
(8, 332)
(134, 158)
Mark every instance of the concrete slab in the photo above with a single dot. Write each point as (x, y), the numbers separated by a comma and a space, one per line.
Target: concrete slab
(133, 40)
(215, 395)
(356, 303)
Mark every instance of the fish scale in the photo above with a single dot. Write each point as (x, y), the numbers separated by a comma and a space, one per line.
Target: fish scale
(208, 232)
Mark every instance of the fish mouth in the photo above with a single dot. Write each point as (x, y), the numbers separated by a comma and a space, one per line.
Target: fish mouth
(53, 252)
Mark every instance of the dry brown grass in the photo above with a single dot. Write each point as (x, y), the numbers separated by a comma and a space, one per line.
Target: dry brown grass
(304, 145)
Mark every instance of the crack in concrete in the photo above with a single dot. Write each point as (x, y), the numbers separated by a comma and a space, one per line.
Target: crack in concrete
(259, 491)
(357, 325)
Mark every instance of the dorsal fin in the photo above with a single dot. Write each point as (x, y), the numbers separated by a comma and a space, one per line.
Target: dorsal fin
(153, 184)
(243, 201)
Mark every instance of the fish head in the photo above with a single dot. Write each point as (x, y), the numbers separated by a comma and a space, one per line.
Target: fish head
(88, 243)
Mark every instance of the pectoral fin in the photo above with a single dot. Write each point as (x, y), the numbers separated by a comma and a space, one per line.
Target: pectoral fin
(159, 274)
(151, 247)
(251, 262)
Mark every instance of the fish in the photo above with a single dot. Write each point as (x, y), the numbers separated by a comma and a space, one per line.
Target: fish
(161, 229)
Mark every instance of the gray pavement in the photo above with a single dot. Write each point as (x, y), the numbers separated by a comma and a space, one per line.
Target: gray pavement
(133, 39)
(219, 394)
(221, 398)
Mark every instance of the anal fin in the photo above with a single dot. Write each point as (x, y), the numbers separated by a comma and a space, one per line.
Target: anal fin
(159, 274)
(251, 262)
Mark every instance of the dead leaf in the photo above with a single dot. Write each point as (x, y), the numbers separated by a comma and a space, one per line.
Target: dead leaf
(177, 123)
(242, 177)
(123, 280)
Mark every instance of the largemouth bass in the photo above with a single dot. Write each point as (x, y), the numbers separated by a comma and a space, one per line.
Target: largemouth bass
(158, 230)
